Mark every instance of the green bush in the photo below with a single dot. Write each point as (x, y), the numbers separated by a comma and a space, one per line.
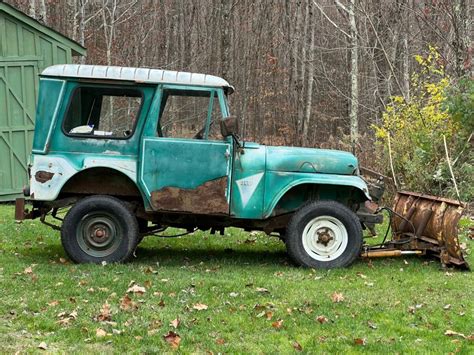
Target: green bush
(413, 131)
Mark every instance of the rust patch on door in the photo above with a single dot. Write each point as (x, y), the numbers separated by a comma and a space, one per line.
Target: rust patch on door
(43, 176)
(208, 198)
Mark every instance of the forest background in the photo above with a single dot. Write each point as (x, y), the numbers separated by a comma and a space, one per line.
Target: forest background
(391, 81)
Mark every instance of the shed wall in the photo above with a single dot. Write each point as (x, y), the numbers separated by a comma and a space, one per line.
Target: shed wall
(24, 53)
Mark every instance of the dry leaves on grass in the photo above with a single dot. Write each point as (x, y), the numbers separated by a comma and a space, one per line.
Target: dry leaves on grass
(200, 307)
(126, 304)
(262, 290)
(322, 319)
(297, 346)
(337, 297)
(278, 324)
(175, 323)
(371, 325)
(66, 318)
(99, 332)
(139, 290)
(173, 339)
(105, 315)
(43, 346)
(452, 333)
(360, 341)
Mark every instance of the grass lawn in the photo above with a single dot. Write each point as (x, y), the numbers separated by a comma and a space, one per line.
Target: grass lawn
(236, 293)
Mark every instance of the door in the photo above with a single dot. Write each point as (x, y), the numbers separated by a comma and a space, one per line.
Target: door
(185, 162)
(18, 89)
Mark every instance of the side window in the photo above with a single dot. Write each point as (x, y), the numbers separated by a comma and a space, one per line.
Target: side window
(189, 114)
(102, 112)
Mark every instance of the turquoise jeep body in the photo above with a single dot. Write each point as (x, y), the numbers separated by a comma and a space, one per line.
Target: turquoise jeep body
(200, 181)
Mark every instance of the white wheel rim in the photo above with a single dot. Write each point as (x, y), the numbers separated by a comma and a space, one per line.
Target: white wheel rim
(325, 238)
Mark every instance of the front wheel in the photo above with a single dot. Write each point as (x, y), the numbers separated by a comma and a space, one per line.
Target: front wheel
(99, 228)
(324, 235)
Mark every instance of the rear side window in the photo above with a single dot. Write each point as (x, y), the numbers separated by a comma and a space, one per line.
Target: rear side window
(103, 112)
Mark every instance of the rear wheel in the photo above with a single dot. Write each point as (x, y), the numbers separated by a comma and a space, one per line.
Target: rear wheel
(99, 228)
(324, 234)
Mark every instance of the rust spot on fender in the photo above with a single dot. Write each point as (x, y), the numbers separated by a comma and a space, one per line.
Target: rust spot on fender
(43, 176)
(208, 198)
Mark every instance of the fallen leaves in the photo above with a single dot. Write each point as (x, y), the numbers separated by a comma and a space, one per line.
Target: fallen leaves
(43, 346)
(29, 271)
(262, 290)
(99, 333)
(140, 290)
(175, 323)
(172, 339)
(360, 341)
(337, 297)
(371, 325)
(126, 304)
(200, 307)
(452, 333)
(297, 346)
(321, 319)
(66, 318)
(277, 324)
(105, 315)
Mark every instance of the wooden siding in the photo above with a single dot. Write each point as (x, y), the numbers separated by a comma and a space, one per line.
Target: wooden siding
(24, 52)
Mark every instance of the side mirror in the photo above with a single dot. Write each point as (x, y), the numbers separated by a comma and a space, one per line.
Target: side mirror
(229, 126)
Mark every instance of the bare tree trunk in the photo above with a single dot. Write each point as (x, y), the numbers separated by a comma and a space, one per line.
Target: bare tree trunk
(42, 13)
(354, 102)
(226, 6)
(406, 51)
(303, 63)
(461, 37)
(82, 27)
(309, 79)
(32, 8)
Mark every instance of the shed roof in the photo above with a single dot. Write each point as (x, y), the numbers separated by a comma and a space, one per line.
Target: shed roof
(144, 75)
(76, 48)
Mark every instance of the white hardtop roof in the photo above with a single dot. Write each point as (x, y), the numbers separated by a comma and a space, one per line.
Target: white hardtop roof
(142, 75)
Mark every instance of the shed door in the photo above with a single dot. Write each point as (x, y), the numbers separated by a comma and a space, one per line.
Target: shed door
(18, 90)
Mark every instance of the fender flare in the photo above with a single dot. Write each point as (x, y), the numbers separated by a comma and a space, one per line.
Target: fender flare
(318, 179)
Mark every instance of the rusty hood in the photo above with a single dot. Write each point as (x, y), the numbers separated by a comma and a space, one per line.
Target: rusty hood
(309, 160)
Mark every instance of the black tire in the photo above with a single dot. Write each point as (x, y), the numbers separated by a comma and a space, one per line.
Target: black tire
(331, 221)
(99, 228)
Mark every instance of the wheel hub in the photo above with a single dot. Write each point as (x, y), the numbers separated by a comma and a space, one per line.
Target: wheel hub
(98, 234)
(324, 238)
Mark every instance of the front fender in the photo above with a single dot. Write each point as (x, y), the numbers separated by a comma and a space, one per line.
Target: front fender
(277, 184)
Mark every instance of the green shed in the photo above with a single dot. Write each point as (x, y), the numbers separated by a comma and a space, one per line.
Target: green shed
(26, 48)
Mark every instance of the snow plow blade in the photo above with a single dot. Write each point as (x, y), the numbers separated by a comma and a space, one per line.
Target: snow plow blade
(427, 224)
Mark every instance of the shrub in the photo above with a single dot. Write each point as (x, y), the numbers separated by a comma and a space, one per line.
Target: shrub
(414, 128)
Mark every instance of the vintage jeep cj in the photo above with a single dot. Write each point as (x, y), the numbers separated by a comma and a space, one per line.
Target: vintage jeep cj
(134, 151)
